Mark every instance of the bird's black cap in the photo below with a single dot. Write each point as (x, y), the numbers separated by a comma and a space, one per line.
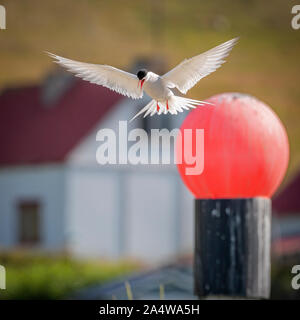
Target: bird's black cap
(142, 73)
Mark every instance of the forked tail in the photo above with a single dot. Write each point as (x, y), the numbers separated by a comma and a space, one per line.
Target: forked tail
(174, 105)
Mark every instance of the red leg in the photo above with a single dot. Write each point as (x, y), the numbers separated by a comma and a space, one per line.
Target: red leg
(167, 105)
(157, 106)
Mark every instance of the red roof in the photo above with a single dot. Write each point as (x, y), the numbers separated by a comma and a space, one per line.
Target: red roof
(31, 132)
(288, 200)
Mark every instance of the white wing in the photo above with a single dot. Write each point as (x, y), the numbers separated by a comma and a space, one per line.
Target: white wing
(117, 80)
(190, 71)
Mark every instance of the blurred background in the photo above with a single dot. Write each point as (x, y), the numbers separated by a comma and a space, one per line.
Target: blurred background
(65, 218)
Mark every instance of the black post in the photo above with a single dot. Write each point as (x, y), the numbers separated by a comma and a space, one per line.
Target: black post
(232, 247)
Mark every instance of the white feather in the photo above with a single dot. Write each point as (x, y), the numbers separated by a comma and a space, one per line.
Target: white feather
(115, 79)
(183, 77)
(190, 71)
(175, 104)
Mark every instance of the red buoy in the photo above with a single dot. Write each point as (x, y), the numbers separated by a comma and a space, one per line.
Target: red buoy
(246, 148)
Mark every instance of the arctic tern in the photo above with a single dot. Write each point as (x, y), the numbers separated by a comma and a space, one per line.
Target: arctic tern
(183, 77)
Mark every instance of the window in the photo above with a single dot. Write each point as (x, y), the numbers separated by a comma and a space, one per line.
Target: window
(29, 223)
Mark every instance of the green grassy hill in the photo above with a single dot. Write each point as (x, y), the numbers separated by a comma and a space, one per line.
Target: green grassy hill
(265, 63)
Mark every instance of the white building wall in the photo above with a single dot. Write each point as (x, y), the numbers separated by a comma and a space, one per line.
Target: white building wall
(143, 211)
(122, 213)
(151, 226)
(44, 184)
(92, 209)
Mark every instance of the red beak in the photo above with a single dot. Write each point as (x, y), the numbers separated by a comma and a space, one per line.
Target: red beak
(142, 83)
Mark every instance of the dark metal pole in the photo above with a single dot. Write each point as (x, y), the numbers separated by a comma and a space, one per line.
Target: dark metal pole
(232, 247)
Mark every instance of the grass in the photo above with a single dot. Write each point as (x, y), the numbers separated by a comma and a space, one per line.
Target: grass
(36, 276)
(41, 276)
(265, 63)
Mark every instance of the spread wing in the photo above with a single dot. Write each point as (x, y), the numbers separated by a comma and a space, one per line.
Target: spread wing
(117, 80)
(190, 71)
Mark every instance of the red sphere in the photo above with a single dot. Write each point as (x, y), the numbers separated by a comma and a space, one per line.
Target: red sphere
(246, 149)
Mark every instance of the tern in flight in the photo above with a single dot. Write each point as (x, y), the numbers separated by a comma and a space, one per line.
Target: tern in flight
(183, 77)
